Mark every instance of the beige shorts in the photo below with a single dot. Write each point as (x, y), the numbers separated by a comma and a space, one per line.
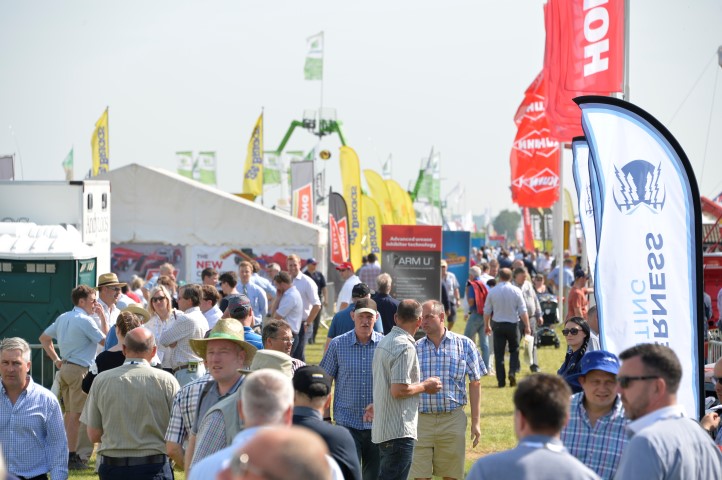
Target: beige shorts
(71, 381)
(441, 447)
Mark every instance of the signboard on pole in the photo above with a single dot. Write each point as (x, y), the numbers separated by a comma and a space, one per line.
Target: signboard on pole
(412, 256)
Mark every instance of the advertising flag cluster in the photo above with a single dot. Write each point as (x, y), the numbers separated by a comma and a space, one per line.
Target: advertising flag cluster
(649, 263)
(380, 193)
(253, 171)
(584, 54)
(535, 153)
(402, 204)
(100, 145)
(351, 178)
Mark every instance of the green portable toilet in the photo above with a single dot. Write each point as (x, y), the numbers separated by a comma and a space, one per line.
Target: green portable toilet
(39, 267)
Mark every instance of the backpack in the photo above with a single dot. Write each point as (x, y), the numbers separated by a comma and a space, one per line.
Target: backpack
(480, 293)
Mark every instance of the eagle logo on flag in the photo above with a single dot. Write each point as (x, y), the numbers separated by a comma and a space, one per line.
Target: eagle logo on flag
(638, 183)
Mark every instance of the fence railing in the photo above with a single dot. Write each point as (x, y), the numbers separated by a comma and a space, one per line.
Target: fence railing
(43, 369)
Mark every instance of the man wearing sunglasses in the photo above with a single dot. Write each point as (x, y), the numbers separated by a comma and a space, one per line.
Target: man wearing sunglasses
(665, 442)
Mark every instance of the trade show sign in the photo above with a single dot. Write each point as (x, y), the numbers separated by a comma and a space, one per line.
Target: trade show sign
(455, 250)
(412, 256)
(649, 262)
(226, 259)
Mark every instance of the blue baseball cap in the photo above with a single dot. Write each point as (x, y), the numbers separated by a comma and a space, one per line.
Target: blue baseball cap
(599, 360)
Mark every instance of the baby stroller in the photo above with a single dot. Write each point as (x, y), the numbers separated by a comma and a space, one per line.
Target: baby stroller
(546, 335)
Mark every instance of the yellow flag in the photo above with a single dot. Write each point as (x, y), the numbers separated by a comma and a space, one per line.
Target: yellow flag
(100, 145)
(370, 226)
(351, 178)
(253, 172)
(402, 205)
(380, 194)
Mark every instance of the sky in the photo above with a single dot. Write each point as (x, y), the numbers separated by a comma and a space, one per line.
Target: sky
(403, 77)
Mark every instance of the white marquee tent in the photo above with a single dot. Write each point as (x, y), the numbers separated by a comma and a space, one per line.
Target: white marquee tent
(152, 205)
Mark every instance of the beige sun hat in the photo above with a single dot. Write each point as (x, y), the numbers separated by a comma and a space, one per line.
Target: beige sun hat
(109, 280)
(226, 329)
(141, 312)
(270, 359)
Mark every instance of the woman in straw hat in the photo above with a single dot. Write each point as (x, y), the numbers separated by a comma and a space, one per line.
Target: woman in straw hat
(162, 317)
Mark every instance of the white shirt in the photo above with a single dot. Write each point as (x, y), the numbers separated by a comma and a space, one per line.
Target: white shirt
(309, 292)
(673, 411)
(344, 296)
(213, 315)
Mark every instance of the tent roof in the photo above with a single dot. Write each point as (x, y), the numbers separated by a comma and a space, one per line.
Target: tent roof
(152, 205)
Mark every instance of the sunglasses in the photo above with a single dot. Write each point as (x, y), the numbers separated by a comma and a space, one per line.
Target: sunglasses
(570, 331)
(625, 381)
(157, 299)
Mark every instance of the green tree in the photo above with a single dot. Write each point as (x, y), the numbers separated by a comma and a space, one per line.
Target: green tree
(506, 223)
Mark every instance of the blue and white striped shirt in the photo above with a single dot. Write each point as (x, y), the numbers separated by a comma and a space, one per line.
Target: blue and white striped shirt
(32, 433)
(599, 447)
(349, 362)
(454, 360)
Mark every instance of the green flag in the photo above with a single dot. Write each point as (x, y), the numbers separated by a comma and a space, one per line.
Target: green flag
(271, 170)
(68, 166)
(207, 167)
(313, 68)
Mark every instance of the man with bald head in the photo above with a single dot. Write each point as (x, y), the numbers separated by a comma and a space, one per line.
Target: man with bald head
(282, 454)
(132, 447)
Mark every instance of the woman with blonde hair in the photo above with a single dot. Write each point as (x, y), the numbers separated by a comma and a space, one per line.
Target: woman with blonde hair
(163, 315)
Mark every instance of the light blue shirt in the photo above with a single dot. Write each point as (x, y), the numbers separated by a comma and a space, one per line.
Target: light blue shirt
(211, 465)
(77, 335)
(32, 433)
(259, 301)
(264, 283)
(505, 302)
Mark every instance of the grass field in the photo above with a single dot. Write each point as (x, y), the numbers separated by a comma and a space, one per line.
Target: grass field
(497, 431)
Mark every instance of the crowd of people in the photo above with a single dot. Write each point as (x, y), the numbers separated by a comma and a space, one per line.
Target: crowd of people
(212, 378)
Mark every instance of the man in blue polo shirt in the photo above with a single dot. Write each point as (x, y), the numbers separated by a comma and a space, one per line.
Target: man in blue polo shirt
(348, 361)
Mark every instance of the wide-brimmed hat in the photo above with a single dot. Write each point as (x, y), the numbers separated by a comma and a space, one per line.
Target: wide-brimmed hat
(270, 359)
(225, 329)
(108, 280)
(139, 311)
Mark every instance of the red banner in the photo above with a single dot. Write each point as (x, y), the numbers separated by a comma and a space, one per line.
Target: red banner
(584, 54)
(596, 49)
(303, 203)
(535, 154)
(528, 232)
(411, 238)
(343, 235)
(337, 255)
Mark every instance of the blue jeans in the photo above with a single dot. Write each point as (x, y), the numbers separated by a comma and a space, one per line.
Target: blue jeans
(153, 471)
(474, 325)
(368, 453)
(396, 457)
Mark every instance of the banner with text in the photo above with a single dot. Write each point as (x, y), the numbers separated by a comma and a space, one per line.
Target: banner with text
(412, 256)
(303, 205)
(227, 258)
(649, 260)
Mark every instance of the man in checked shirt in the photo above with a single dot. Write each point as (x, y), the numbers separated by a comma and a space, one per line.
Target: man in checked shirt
(348, 361)
(441, 447)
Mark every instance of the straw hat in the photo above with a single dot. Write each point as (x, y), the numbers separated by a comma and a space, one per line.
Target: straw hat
(270, 359)
(141, 312)
(109, 280)
(226, 329)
